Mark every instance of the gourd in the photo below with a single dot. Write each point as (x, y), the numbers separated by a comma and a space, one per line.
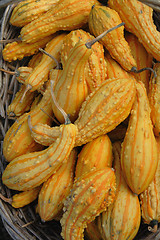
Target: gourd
(139, 151)
(32, 169)
(90, 195)
(28, 10)
(96, 154)
(150, 199)
(66, 15)
(55, 190)
(18, 50)
(153, 96)
(138, 20)
(18, 140)
(95, 68)
(102, 18)
(122, 218)
(142, 57)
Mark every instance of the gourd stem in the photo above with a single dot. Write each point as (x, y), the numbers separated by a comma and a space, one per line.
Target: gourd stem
(90, 43)
(50, 116)
(7, 71)
(8, 200)
(153, 229)
(11, 40)
(65, 115)
(28, 87)
(57, 63)
(134, 69)
(29, 123)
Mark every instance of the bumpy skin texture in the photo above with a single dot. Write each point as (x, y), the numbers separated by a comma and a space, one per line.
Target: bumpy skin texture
(121, 220)
(96, 154)
(55, 190)
(139, 152)
(66, 15)
(31, 170)
(150, 198)
(90, 195)
(105, 108)
(102, 18)
(22, 73)
(154, 99)
(138, 20)
(18, 140)
(95, 68)
(70, 89)
(142, 57)
(40, 73)
(19, 50)
(26, 11)
(24, 198)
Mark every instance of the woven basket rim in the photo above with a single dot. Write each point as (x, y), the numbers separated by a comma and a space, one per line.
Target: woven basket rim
(23, 223)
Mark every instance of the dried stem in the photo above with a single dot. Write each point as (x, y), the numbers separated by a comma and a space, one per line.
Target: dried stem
(8, 200)
(65, 115)
(153, 229)
(11, 40)
(29, 123)
(50, 116)
(57, 63)
(90, 43)
(134, 69)
(28, 87)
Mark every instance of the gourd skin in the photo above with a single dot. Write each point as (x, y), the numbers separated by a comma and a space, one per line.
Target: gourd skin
(96, 154)
(103, 18)
(139, 151)
(138, 20)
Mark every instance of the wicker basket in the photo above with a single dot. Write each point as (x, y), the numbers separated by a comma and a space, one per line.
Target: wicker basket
(24, 223)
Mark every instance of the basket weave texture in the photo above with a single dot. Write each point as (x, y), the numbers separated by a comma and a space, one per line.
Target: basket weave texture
(24, 223)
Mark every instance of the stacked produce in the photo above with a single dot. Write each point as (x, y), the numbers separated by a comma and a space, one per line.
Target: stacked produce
(85, 141)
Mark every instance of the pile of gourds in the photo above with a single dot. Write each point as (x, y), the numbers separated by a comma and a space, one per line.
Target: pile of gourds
(85, 142)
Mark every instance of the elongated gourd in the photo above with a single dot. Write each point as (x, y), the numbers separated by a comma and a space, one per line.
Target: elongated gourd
(31, 170)
(154, 99)
(66, 15)
(95, 69)
(150, 199)
(71, 89)
(142, 58)
(18, 140)
(92, 232)
(26, 11)
(139, 152)
(90, 196)
(96, 154)
(101, 112)
(122, 218)
(138, 20)
(16, 108)
(102, 18)
(40, 73)
(24, 198)
(18, 50)
(35, 60)
(105, 108)
(55, 190)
